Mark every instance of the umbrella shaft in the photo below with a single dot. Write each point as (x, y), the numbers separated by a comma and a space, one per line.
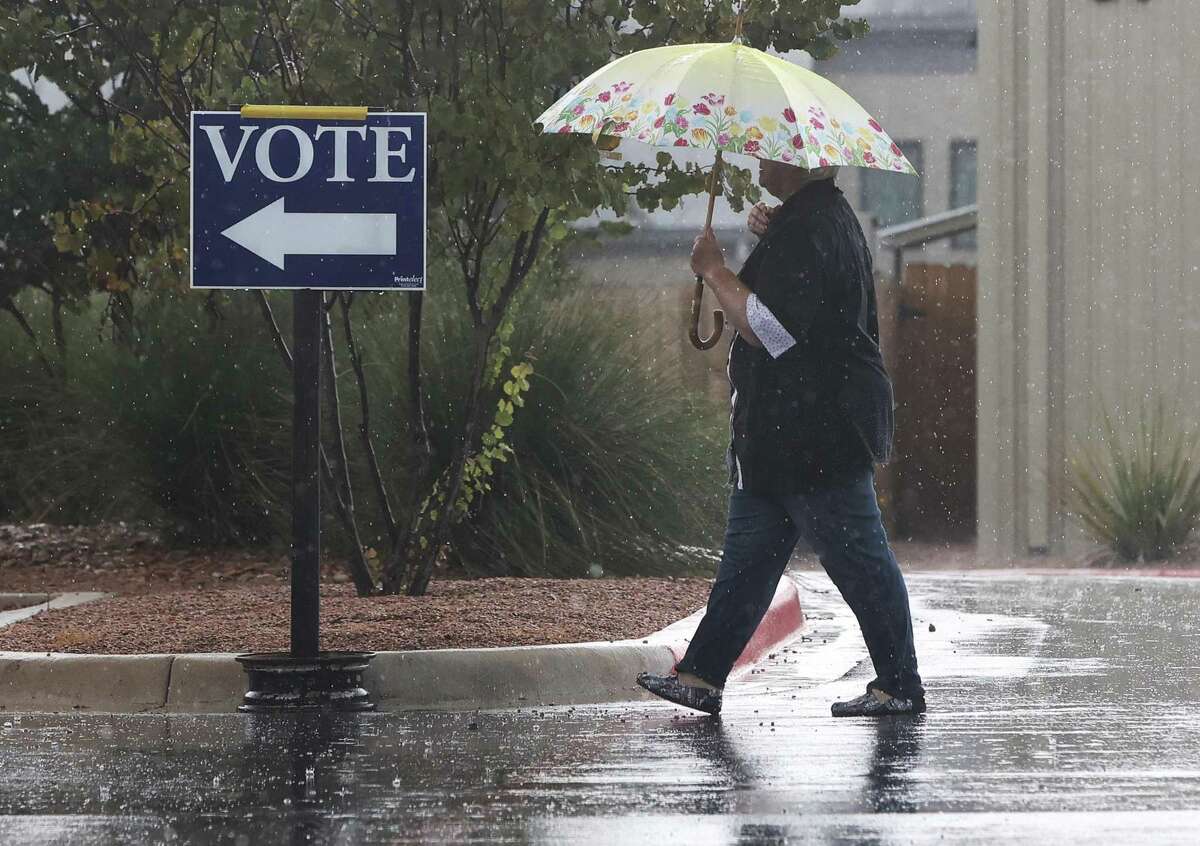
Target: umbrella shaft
(713, 184)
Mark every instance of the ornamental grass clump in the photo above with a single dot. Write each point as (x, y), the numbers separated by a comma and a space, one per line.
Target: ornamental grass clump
(618, 465)
(1139, 495)
(187, 430)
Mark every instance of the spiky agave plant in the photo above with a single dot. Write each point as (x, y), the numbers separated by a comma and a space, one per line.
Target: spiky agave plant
(1138, 496)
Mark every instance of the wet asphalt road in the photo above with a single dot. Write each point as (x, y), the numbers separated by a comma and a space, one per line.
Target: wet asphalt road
(1061, 708)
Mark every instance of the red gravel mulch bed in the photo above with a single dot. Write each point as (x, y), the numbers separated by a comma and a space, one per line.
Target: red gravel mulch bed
(455, 614)
(121, 558)
(206, 600)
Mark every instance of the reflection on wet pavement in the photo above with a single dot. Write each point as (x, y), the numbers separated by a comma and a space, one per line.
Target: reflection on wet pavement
(1058, 705)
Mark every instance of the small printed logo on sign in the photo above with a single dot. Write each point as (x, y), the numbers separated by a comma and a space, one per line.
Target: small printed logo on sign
(308, 203)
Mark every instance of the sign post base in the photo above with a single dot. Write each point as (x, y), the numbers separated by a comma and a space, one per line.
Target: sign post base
(280, 681)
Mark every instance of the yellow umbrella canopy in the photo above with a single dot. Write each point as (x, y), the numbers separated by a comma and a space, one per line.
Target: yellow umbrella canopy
(727, 98)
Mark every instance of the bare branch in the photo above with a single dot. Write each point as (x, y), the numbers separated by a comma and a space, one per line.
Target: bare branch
(280, 342)
(359, 570)
(484, 238)
(11, 307)
(58, 35)
(335, 409)
(146, 125)
(470, 277)
(364, 422)
(522, 262)
(56, 321)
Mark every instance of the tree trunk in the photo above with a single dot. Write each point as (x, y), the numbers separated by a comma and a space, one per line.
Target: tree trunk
(420, 561)
(423, 560)
(364, 422)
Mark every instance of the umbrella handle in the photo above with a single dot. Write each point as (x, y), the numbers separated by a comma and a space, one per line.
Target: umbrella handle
(718, 320)
(718, 315)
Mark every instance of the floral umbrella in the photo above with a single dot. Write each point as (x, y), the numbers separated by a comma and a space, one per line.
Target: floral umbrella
(729, 98)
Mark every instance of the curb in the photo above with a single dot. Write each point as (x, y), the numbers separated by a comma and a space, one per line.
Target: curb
(782, 622)
(59, 681)
(435, 679)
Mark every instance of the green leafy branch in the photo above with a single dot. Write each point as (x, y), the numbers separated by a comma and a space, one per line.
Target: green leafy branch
(479, 467)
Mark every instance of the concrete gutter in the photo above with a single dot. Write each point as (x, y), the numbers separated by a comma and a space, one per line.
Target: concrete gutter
(435, 679)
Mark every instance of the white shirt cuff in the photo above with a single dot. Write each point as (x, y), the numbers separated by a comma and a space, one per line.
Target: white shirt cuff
(767, 327)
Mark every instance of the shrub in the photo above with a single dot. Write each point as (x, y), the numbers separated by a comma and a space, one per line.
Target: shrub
(1139, 495)
(618, 466)
(190, 431)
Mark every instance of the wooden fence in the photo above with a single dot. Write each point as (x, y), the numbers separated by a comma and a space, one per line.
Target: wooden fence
(927, 329)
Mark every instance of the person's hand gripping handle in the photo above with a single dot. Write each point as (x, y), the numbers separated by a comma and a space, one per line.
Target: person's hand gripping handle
(760, 218)
(706, 254)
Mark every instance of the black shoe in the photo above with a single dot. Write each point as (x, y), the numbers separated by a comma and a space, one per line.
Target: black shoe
(669, 688)
(868, 705)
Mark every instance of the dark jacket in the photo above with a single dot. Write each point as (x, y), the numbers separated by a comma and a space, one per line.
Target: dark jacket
(822, 411)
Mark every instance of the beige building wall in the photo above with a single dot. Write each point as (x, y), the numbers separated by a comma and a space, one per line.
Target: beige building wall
(1089, 242)
(917, 72)
(936, 109)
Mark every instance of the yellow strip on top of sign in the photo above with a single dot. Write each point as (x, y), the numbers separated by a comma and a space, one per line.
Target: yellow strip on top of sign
(306, 112)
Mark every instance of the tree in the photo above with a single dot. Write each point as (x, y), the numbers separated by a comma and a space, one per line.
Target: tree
(500, 195)
(31, 137)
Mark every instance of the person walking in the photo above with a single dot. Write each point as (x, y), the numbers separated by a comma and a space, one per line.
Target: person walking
(812, 413)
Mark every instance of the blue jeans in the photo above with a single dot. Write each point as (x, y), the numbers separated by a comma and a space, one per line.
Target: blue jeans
(843, 525)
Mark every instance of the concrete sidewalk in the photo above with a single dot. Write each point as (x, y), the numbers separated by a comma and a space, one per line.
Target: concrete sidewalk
(436, 679)
(15, 607)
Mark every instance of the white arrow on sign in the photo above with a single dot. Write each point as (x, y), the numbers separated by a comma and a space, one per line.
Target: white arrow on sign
(272, 233)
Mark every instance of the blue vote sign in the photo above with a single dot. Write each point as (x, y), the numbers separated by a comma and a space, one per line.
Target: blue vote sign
(318, 203)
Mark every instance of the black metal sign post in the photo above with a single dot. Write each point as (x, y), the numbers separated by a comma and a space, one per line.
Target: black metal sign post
(306, 678)
(306, 475)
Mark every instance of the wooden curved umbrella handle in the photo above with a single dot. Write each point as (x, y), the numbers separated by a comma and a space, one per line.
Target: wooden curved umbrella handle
(718, 320)
(718, 315)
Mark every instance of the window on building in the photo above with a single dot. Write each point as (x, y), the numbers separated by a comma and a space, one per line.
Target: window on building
(894, 197)
(963, 170)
